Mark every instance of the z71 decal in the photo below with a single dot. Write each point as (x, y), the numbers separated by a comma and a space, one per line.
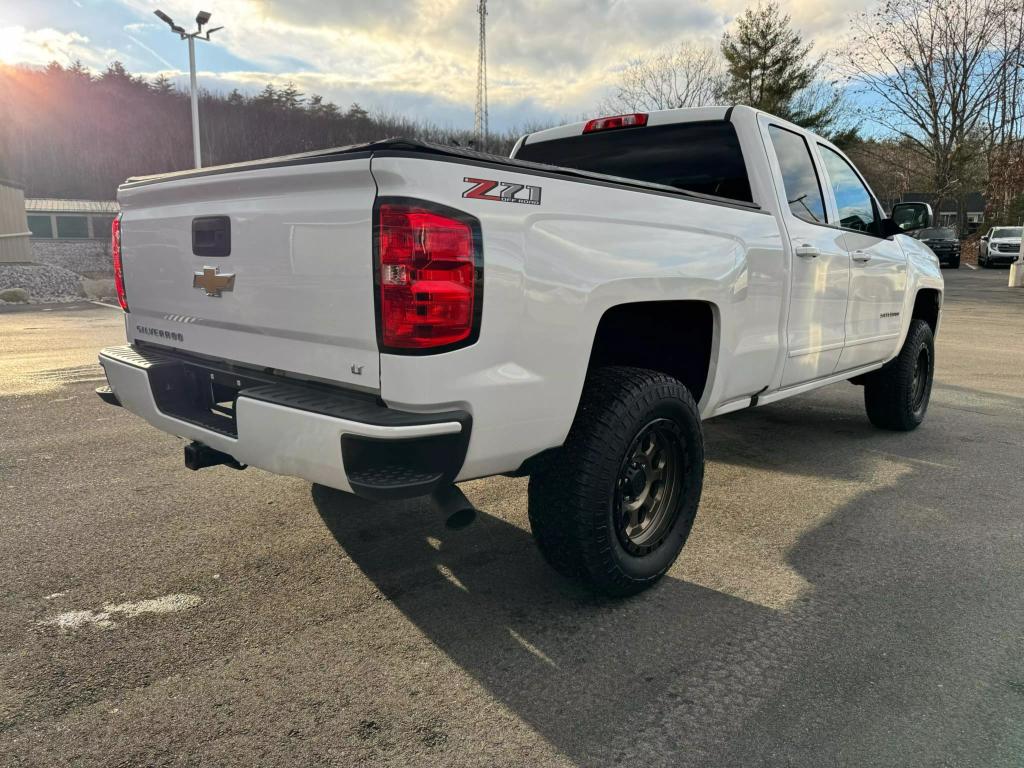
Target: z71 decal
(482, 189)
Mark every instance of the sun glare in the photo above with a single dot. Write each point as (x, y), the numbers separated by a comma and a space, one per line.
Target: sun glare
(38, 47)
(10, 44)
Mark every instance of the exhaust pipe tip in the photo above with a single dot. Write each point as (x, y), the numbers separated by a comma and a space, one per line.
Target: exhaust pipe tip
(199, 455)
(452, 502)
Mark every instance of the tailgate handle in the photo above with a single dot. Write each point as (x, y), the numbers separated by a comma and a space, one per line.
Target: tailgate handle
(211, 236)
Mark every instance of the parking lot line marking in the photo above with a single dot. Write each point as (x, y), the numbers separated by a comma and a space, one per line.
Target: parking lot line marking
(104, 619)
(969, 266)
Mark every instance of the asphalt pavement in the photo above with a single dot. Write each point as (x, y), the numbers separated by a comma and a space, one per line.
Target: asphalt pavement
(849, 597)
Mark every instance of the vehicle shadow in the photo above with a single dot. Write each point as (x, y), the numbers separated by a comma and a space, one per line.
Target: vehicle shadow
(686, 675)
(587, 673)
(800, 436)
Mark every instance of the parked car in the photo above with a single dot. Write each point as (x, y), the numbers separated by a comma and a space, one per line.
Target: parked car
(390, 318)
(1000, 246)
(944, 244)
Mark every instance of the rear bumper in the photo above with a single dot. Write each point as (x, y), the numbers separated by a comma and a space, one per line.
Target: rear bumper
(341, 439)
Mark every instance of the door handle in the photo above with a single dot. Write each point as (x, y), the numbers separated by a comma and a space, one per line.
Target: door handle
(806, 250)
(860, 256)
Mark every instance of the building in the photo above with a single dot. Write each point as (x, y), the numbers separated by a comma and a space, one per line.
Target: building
(14, 232)
(948, 214)
(55, 219)
(73, 234)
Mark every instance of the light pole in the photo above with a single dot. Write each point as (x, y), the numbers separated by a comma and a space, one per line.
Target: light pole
(202, 18)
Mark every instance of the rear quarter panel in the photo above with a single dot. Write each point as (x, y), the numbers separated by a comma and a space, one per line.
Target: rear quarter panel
(552, 270)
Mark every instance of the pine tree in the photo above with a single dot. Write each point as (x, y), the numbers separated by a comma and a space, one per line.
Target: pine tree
(266, 97)
(79, 70)
(162, 84)
(317, 106)
(769, 68)
(116, 73)
(357, 114)
(289, 97)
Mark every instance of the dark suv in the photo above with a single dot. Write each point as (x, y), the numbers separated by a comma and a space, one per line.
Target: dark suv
(944, 242)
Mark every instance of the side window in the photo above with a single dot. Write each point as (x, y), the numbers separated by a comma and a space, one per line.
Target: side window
(72, 226)
(856, 209)
(40, 226)
(799, 179)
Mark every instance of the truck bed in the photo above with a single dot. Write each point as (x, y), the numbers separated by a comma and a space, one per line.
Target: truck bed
(397, 147)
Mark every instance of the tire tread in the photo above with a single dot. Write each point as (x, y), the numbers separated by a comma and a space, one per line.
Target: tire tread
(887, 391)
(564, 501)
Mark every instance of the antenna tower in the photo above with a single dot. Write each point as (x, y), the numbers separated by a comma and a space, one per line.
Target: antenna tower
(480, 118)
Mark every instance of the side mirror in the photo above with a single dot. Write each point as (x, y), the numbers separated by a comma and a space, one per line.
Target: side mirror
(985, 237)
(909, 217)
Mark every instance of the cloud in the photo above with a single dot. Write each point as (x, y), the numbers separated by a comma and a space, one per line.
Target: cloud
(559, 56)
(552, 58)
(438, 108)
(39, 47)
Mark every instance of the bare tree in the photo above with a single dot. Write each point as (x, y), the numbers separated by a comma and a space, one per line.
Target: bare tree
(934, 72)
(684, 76)
(1005, 149)
(891, 168)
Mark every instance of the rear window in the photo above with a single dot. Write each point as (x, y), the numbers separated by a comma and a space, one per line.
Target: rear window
(700, 157)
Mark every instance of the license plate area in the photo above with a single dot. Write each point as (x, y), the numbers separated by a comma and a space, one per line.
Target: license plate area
(202, 396)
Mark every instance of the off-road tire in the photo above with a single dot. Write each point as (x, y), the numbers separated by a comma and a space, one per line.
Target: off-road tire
(894, 396)
(575, 496)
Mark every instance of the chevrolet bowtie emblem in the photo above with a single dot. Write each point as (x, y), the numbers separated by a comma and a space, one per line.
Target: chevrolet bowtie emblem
(212, 282)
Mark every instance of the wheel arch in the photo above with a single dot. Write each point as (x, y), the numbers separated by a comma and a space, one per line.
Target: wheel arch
(690, 357)
(927, 305)
(676, 337)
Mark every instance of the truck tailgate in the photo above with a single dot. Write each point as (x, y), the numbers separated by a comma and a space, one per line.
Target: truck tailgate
(296, 289)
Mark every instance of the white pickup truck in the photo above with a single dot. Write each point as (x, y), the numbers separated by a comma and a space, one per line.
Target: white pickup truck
(391, 318)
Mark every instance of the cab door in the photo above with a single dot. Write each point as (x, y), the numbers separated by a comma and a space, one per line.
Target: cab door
(878, 267)
(820, 265)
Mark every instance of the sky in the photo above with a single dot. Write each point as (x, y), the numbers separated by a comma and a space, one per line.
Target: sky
(549, 61)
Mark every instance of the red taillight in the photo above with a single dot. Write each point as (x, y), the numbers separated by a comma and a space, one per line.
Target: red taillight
(636, 120)
(115, 250)
(428, 277)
